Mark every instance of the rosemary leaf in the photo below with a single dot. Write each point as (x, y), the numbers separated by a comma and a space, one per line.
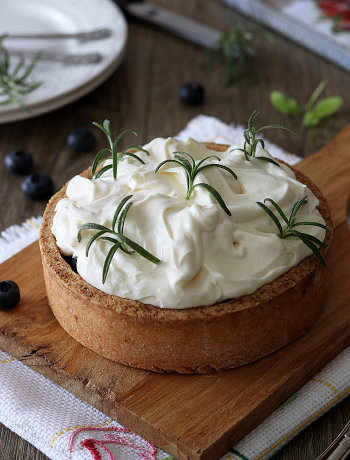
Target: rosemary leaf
(15, 84)
(215, 194)
(103, 170)
(309, 240)
(108, 261)
(295, 209)
(273, 217)
(269, 160)
(118, 240)
(92, 239)
(192, 169)
(306, 240)
(121, 220)
(250, 136)
(315, 224)
(119, 208)
(113, 151)
(278, 209)
(91, 226)
(168, 161)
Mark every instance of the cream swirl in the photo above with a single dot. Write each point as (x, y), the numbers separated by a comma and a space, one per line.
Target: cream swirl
(207, 256)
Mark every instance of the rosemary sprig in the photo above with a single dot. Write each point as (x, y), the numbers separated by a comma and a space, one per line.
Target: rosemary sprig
(237, 48)
(251, 140)
(14, 84)
(309, 240)
(192, 169)
(118, 239)
(113, 152)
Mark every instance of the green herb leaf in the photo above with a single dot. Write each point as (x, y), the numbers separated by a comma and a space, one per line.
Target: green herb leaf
(315, 95)
(103, 170)
(328, 106)
(284, 104)
(251, 132)
(108, 261)
(295, 209)
(119, 241)
(310, 120)
(92, 239)
(215, 194)
(269, 160)
(278, 209)
(315, 224)
(309, 240)
(15, 84)
(119, 208)
(112, 151)
(192, 169)
(273, 217)
(313, 115)
(91, 226)
(237, 49)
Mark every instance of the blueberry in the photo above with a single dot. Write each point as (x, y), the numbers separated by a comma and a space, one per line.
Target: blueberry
(72, 262)
(38, 186)
(19, 161)
(191, 93)
(9, 295)
(80, 139)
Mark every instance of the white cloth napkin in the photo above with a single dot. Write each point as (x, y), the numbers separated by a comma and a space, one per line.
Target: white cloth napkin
(48, 416)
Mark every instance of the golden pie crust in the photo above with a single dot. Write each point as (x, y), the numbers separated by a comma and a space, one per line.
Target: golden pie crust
(192, 340)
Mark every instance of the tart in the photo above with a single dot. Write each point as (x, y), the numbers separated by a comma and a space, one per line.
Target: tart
(192, 340)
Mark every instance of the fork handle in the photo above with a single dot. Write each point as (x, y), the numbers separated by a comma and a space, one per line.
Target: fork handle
(340, 447)
(99, 34)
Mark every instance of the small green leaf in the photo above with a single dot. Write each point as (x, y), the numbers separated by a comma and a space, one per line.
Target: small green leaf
(295, 209)
(168, 161)
(269, 160)
(327, 106)
(272, 216)
(252, 118)
(278, 209)
(229, 170)
(102, 171)
(310, 120)
(119, 208)
(121, 220)
(187, 155)
(186, 164)
(108, 261)
(306, 240)
(315, 95)
(284, 104)
(276, 126)
(315, 224)
(91, 226)
(215, 194)
(98, 160)
(92, 239)
(139, 249)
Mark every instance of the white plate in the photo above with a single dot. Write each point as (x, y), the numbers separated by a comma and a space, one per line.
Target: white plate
(62, 84)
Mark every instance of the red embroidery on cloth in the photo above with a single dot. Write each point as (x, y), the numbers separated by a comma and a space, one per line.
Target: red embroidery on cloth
(91, 444)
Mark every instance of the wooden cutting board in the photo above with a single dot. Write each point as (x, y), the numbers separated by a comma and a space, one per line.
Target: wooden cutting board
(189, 416)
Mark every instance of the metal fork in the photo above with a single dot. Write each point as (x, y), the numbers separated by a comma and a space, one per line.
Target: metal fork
(99, 34)
(340, 447)
(68, 59)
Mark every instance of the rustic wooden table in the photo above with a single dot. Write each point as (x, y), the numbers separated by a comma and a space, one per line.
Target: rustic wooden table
(143, 95)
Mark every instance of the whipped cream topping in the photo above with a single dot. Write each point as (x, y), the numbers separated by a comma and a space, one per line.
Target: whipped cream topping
(207, 256)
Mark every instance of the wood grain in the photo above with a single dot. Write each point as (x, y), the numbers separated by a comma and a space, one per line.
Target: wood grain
(142, 95)
(216, 410)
